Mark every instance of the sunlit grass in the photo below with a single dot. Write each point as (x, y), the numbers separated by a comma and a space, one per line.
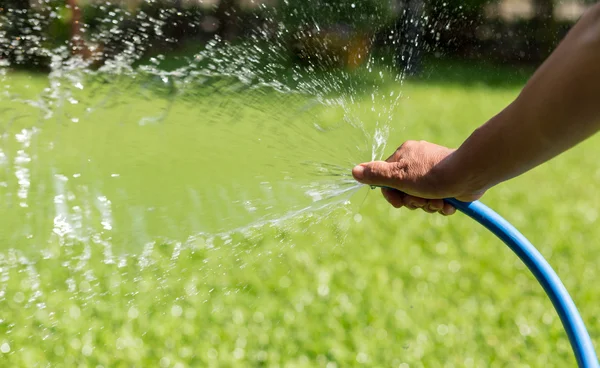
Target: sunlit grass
(372, 287)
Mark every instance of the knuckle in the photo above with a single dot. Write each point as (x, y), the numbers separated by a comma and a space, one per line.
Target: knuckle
(397, 170)
(408, 144)
(436, 204)
(397, 155)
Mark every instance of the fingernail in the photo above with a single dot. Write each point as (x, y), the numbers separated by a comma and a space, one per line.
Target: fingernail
(358, 172)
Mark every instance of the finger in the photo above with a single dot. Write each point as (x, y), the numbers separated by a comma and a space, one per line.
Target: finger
(435, 205)
(414, 202)
(394, 197)
(448, 210)
(396, 156)
(408, 203)
(379, 173)
(427, 208)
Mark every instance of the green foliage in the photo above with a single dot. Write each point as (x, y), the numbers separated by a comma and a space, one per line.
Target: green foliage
(362, 15)
(466, 6)
(459, 14)
(334, 34)
(21, 34)
(59, 29)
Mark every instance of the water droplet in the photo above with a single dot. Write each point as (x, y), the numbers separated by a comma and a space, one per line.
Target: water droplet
(87, 350)
(74, 312)
(362, 357)
(132, 313)
(442, 330)
(176, 311)
(164, 362)
(19, 297)
(454, 266)
(5, 348)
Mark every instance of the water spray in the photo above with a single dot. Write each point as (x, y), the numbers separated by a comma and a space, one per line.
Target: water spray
(563, 303)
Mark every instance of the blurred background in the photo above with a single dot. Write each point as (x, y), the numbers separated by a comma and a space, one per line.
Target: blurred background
(515, 31)
(175, 186)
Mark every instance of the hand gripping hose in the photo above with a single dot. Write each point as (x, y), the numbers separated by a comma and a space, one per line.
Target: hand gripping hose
(543, 272)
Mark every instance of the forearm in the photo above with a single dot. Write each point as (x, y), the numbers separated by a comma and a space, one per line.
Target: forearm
(558, 108)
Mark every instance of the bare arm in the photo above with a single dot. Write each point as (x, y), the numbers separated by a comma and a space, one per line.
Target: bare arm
(558, 108)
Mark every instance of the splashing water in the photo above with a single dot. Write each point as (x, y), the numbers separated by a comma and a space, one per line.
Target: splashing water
(216, 156)
(145, 170)
(133, 149)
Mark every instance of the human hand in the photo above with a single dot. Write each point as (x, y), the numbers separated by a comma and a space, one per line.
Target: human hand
(423, 175)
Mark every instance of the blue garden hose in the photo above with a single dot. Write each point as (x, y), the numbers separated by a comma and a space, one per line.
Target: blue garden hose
(543, 272)
(565, 307)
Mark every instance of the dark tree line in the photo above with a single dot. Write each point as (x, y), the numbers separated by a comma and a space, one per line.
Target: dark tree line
(452, 27)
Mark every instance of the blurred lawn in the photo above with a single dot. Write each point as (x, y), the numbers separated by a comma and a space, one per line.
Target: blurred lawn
(378, 287)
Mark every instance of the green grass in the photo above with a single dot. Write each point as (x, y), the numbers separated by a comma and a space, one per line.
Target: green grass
(387, 288)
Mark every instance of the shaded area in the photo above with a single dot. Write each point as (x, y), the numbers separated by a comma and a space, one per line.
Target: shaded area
(473, 73)
(338, 34)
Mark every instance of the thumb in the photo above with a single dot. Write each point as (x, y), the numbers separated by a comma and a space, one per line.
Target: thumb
(378, 173)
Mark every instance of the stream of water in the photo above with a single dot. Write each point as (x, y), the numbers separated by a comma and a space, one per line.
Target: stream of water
(135, 175)
(164, 148)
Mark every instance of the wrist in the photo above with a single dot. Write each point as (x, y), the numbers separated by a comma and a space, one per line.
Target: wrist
(485, 157)
(461, 173)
